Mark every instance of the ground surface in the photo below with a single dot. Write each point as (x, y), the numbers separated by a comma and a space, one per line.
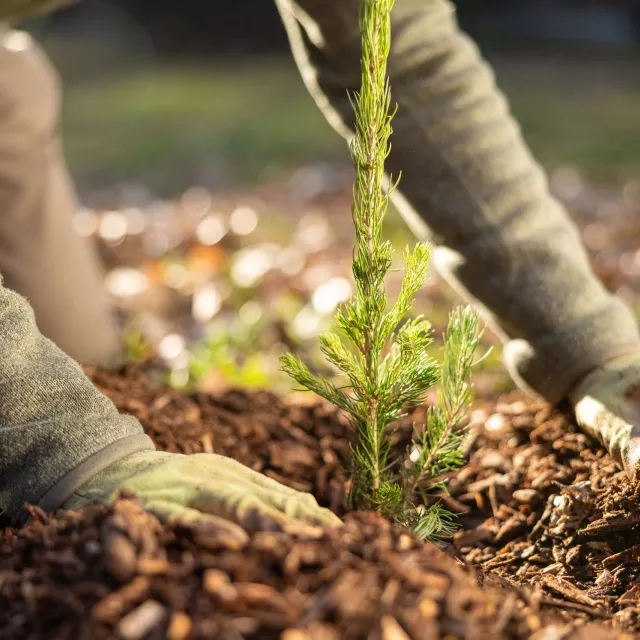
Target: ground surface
(550, 532)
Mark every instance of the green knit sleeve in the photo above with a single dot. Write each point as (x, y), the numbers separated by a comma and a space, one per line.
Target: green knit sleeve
(56, 429)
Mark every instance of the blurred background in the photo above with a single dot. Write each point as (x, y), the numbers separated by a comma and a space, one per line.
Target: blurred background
(219, 198)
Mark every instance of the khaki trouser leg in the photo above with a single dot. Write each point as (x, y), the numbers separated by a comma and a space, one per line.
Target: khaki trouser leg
(506, 243)
(41, 257)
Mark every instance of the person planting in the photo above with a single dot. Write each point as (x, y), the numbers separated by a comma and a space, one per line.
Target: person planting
(504, 243)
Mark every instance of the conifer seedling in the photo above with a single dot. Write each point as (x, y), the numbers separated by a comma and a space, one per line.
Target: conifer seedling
(381, 354)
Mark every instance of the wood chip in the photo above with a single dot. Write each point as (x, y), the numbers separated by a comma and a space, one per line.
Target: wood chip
(569, 591)
(141, 621)
(179, 627)
(391, 630)
(628, 557)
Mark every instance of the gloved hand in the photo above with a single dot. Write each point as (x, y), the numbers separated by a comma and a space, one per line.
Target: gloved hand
(194, 488)
(607, 407)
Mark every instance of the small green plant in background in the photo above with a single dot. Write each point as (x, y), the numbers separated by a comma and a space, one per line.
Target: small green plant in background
(136, 346)
(382, 354)
(235, 355)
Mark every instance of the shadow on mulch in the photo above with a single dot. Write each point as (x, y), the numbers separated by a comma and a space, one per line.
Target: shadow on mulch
(549, 528)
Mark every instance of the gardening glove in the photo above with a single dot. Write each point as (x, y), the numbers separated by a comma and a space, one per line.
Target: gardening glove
(607, 406)
(192, 488)
(506, 244)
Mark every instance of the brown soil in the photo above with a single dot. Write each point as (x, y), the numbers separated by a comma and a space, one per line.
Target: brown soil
(548, 538)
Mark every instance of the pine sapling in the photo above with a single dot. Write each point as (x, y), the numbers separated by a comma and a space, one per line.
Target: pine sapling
(382, 355)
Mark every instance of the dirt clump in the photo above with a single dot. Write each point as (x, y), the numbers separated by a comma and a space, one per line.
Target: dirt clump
(118, 572)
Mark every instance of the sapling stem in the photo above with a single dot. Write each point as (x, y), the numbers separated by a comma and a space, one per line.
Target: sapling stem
(383, 354)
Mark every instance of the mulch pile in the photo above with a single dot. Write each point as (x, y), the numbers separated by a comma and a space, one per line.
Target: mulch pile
(549, 528)
(561, 516)
(139, 579)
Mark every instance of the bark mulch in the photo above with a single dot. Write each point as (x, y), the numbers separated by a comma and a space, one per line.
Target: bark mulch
(548, 536)
(547, 507)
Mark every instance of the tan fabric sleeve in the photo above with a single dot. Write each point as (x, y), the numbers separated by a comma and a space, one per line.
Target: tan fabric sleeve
(505, 241)
(41, 257)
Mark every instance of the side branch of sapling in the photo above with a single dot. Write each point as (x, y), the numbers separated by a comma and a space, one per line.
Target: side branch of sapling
(382, 354)
(436, 449)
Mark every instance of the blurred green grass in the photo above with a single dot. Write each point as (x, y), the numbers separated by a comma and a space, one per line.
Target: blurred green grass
(165, 126)
(568, 117)
(245, 121)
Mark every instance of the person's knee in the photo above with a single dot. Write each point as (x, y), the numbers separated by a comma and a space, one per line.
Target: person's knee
(29, 90)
